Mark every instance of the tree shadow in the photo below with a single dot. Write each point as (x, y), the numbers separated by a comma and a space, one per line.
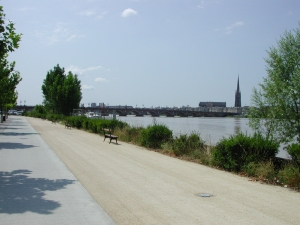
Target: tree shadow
(11, 128)
(14, 145)
(20, 193)
(15, 134)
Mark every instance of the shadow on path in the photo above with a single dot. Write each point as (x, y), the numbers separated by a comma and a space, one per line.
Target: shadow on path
(14, 146)
(16, 134)
(20, 193)
(11, 128)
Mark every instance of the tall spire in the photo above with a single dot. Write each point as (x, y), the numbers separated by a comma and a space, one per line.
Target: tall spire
(238, 84)
(238, 94)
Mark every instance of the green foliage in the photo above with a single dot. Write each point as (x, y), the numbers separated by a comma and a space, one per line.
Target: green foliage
(262, 170)
(9, 78)
(275, 106)
(77, 121)
(94, 125)
(155, 135)
(40, 109)
(62, 93)
(237, 151)
(54, 117)
(290, 175)
(130, 134)
(185, 144)
(294, 151)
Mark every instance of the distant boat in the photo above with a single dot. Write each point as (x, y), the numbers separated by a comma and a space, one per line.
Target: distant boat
(92, 115)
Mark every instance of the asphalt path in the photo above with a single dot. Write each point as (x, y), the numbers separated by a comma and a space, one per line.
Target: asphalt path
(137, 186)
(35, 185)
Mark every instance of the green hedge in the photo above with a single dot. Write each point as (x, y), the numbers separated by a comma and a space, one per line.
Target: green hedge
(238, 151)
(155, 135)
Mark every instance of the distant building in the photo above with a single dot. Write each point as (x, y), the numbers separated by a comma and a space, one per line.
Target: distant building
(238, 95)
(93, 105)
(212, 104)
(101, 105)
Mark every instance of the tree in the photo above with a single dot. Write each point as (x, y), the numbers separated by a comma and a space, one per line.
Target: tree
(9, 78)
(276, 105)
(62, 93)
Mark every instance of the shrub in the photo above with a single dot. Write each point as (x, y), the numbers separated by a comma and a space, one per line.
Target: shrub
(130, 134)
(76, 121)
(262, 170)
(55, 117)
(155, 135)
(237, 151)
(290, 175)
(184, 144)
(294, 151)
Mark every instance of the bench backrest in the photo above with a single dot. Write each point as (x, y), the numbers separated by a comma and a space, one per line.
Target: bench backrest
(107, 131)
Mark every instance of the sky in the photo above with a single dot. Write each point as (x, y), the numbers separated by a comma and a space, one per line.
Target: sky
(145, 53)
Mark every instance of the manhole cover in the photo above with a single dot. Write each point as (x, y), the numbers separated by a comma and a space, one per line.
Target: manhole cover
(204, 195)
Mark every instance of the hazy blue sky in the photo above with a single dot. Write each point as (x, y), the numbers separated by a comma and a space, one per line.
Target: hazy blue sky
(151, 53)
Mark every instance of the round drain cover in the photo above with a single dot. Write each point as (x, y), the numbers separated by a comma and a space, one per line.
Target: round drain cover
(205, 195)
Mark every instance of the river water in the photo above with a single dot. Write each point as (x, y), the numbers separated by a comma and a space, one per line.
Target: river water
(211, 129)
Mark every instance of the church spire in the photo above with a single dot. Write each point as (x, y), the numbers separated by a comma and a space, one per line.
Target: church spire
(238, 95)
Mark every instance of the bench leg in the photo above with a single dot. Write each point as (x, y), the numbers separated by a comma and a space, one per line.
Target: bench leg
(115, 139)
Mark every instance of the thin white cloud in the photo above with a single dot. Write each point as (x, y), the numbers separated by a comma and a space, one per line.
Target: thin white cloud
(72, 37)
(128, 12)
(87, 13)
(93, 13)
(25, 8)
(101, 15)
(87, 87)
(93, 68)
(77, 70)
(201, 5)
(233, 26)
(61, 32)
(100, 79)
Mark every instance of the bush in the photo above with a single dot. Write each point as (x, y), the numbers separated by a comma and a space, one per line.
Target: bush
(130, 134)
(263, 170)
(184, 144)
(155, 135)
(237, 151)
(294, 151)
(290, 175)
(76, 121)
(54, 117)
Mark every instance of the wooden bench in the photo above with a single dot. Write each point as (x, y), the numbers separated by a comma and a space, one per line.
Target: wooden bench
(108, 134)
(67, 125)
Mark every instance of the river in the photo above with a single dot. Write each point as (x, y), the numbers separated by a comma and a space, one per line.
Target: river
(211, 129)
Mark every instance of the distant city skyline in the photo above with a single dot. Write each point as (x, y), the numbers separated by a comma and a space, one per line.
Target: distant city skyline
(151, 53)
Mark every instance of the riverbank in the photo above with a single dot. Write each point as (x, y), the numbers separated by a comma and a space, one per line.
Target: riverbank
(137, 186)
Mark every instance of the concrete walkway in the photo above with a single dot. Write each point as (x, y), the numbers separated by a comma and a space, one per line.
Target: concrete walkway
(35, 185)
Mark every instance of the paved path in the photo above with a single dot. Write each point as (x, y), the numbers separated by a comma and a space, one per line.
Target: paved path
(136, 186)
(35, 185)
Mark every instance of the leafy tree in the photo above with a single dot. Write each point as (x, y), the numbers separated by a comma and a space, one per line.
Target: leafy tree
(276, 105)
(51, 88)
(62, 93)
(39, 109)
(9, 78)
